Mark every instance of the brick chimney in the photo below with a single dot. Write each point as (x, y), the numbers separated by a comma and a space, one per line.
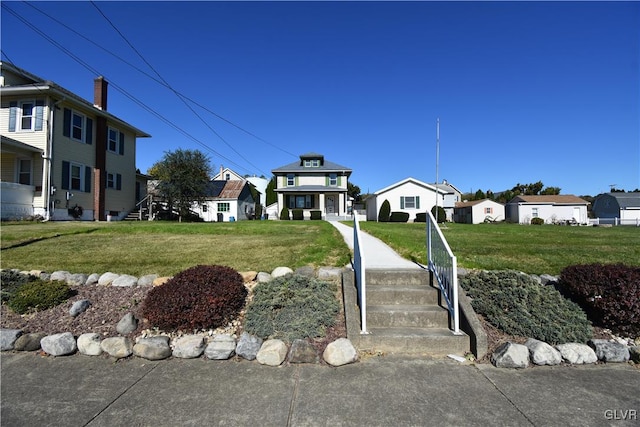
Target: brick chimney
(100, 93)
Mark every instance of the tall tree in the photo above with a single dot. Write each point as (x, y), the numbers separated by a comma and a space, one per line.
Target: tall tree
(271, 196)
(183, 177)
(354, 191)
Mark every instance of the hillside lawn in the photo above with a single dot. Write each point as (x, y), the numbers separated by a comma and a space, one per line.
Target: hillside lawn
(165, 248)
(543, 249)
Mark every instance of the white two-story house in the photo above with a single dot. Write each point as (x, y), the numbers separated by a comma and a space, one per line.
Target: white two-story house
(313, 184)
(62, 156)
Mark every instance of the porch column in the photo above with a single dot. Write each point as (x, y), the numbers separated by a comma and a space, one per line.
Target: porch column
(321, 197)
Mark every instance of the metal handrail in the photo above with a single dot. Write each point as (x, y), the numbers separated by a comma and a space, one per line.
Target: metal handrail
(360, 274)
(443, 264)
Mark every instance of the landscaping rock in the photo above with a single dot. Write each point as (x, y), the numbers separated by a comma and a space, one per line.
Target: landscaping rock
(161, 281)
(248, 346)
(263, 277)
(117, 347)
(306, 271)
(59, 344)
(188, 346)
(510, 355)
(222, 347)
(248, 276)
(542, 353)
(107, 278)
(548, 279)
(92, 279)
(79, 307)
(329, 272)
(127, 324)
(8, 338)
(576, 353)
(60, 276)
(281, 271)
(152, 348)
(125, 281)
(302, 352)
(45, 276)
(89, 344)
(29, 342)
(608, 351)
(340, 352)
(77, 279)
(634, 353)
(147, 280)
(272, 353)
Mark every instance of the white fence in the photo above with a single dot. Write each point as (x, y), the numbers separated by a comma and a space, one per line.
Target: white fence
(360, 273)
(615, 221)
(444, 267)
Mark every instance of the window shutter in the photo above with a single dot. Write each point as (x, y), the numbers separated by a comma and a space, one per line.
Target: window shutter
(326, 180)
(89, 133)
(401, 202)
(417, 202)
(66, 127)
(66, 172)
(87, 179)
(39, 114)
(339, 180)
(13, 110)
(121, 148)
(295, 180)
(118, 181)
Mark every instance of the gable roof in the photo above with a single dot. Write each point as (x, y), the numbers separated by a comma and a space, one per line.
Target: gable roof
(325, 166)
(414, 181)
(550, 200)
(223, 189)
(39, 86)
(475, 202)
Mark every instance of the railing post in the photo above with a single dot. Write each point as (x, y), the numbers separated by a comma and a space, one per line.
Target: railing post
(360, 273)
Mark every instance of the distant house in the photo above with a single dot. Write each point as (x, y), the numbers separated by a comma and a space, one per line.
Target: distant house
(623, 206)
(313, 184)
(227, 200)
(451, 196)
(478, 211)
(552, 209)
(259, 183)
(409, 195)
(63, 157)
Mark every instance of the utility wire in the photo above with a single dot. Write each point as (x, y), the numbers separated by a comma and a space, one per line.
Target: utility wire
(173, 90)
(208, 110)
(118, 88)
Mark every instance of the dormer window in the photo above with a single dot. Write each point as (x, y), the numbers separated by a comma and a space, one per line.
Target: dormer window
(312, 163)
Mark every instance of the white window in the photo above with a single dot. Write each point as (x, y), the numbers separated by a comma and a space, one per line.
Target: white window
(223, 207)
(291, 180)
(534, 212)
(111, 180)
(312, 163)
(333, 180)
(27, 119)
(77, 126)
(488, 211)
(24, 171)
(301, 202)
(114, 139)
(227, 177)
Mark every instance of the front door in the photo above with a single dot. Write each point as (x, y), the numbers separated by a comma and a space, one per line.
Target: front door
(331, 204)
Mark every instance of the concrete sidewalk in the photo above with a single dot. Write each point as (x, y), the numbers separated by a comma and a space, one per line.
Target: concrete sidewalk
(81, 390)
(377, 254)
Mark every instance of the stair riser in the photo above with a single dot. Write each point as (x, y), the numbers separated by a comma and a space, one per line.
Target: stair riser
(393, 319)
(408, 297)
(397, 278)
(433, 346)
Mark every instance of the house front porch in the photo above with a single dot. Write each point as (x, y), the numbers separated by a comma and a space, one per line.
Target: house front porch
(331, 202)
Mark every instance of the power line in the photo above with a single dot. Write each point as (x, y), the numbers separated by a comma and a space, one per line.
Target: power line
(199, 105)
(118, 88)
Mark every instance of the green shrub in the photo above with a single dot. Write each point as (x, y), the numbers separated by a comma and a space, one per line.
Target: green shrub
(292, 307)
(440, 216)
(298, 214)
(315, 215)
(39, 295)
(537, 221)
(421, 217)
(284, 214)
(399, 217)
(609, 293)
(516, 304)
(11, 281)
(385, 212)
(201, 297)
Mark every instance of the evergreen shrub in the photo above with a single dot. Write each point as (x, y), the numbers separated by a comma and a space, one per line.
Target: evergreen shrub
(385, 212)
(315, 215)
(537, 221)
(292, 307)
(11, 281)
(201, 297)
(609, 293)
(298, 214)
(518, 305)
(39, 295)
(440, 216)
(399, 217)
(421, 217)
(284, 214)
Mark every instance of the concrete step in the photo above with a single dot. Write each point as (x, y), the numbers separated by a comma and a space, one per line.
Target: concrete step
(397, 315)
(431, 341)
(402, 294)
(397, 277)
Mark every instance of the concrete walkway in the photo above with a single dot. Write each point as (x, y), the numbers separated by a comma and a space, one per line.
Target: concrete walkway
(377, 254)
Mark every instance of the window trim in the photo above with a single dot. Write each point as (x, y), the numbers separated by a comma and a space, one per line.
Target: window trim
(290, 180)
(20, 172)
(415, 202)
(225, 205)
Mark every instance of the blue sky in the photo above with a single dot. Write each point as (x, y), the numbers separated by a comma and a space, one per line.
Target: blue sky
(524, 92)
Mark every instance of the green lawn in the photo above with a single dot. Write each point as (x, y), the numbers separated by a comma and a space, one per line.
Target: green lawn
(166, 248)
(531, 249)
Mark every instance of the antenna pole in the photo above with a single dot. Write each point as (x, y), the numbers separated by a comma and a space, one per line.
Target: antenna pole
(437, 161)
